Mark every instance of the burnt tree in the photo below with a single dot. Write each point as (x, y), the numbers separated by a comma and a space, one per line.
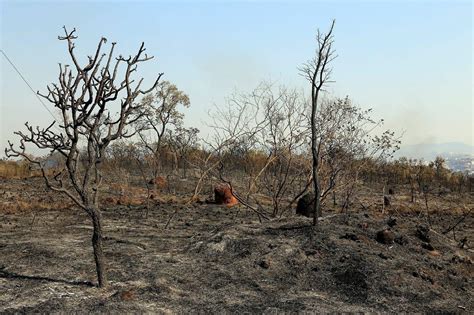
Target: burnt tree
(87, 96)
(318, 73)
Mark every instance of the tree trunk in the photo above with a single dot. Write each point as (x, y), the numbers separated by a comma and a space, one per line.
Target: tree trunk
(317, 196)
(175, 164)
(97, 246)
(383, 199)
(184, 167)
(315, 159)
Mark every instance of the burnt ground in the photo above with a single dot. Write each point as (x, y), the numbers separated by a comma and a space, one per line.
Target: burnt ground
(213, 259)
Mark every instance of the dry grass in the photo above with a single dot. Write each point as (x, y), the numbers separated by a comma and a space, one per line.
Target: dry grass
(31, 194)
(28, 195)
(20, 169)
(10, 207)
(13, 169)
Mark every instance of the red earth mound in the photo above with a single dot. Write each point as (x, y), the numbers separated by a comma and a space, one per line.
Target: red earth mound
(223, 195)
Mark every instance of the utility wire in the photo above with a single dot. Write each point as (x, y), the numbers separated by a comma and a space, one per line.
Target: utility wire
(19, 73)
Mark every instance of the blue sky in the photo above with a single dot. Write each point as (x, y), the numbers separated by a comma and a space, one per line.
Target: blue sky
(411, 61)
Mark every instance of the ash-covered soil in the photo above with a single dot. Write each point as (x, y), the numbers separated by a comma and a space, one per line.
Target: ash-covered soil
(214, 259)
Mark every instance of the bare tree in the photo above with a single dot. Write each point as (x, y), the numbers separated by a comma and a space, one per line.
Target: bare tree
(284, 139)
(86, 97)
(262, 137)
(237, 122)
(160, 113)
(318, 72)
(183, 141)
(348, 140)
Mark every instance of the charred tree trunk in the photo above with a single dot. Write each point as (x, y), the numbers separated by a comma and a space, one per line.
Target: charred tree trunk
(317, 191)
(318, 73)
(175, 164)
(184, 166)
(97, 244)
(383, 199)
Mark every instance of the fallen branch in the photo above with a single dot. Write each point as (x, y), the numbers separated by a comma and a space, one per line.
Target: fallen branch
(457, 223)
(120, 241)
(363, 206)
(170, 218)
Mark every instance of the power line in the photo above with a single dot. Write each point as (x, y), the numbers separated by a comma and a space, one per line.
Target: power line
(23, 78)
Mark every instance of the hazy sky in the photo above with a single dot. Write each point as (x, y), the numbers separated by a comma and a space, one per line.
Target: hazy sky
(409, 60)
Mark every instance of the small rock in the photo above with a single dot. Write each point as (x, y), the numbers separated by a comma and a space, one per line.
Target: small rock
(199, 201)
(125, 295)
(461, 259)
(401, 240)
(392, 222)
(436, 266)
(427, 246)
(463, 242)
(422, 233)
(434, 253)
(265, 264)
(426, 278)
(363, 225)
(383, 256)
(350, 236)
(385, 237)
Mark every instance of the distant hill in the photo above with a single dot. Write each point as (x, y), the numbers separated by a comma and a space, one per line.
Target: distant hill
(429, 151)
